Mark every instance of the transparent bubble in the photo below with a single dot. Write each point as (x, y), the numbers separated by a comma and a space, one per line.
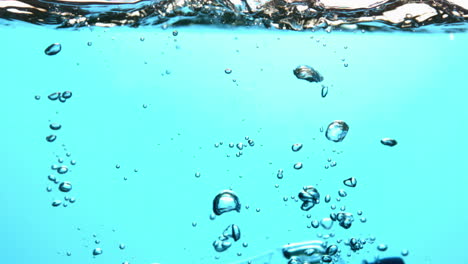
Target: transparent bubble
(363, 219)
(327, 198)
(97, 241)
(68, 253)
(221, 246)
(73, 162)
(142, 38)
(296, 147)
(307, 73)
(197, 174)
(310, 197)
(175, 33)
(62, 169)
(56, 203)
(245, 244)
(117, 166)
(226, 201)
(53, 49)
(359, 212)
(97, 251)
(231, 145)
(279, 175)
(67, 94)
(342, 193)
(51, 138)
(326, 223)
(332, 250)
(251, 142)
(232, 231)
(52, 178)
(382, 247)
(65, 186)
(345, 219)
(298, 166)
(37, 97)
(145, 106)
(228, 71)
(212, 216)
(350, 182)
(72, 199)
(388, 142)
(55, 126)
(324, 91)
(333, 164)
(54, 96)
(89, 43)
(315, 223)
(337, 131)
(404, 252)
(49, 189)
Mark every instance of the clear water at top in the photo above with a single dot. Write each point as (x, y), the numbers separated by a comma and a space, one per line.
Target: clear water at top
(167, 141)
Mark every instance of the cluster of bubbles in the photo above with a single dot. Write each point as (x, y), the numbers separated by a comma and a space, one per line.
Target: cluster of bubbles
(224, 202)
(240, 146)
(309, 197)
(232, 232)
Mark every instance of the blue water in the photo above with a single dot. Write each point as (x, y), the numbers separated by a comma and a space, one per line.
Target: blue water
(410, 87)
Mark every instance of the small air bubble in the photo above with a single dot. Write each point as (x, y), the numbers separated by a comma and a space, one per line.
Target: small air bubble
(53, 49)
(97, 251)
(175, 33)
(65, 186)
(404, 252)
(55, 126)
(51, 138)
(298, 166)
(382, 247)
(37, 97)
(296, 147)
(228, 71)
(89, 43)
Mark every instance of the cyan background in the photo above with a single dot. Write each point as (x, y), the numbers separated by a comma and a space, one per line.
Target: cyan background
(411, 87)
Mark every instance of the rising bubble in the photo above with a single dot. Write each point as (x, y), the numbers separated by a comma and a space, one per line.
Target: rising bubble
(67, 95)
(51, 138)
(226, 201)
(351, 182)
(310, 197)
(388, 142)
(298, 166)
(337, 131)
(56, 203)
(65, 186)
(382, 247)
(55, 126)
(307, 73)
(53, 49)
(97, 251)
(296, 147)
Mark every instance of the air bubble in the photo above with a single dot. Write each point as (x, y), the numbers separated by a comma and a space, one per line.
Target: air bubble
(245, 244)
(326, 223)
(194, 224)
(332, 250)
(324, 91)
(342, 193)
(298, 166)
(175, 33)
(49, 189)
(351, 182)
(315, 223)
(52, 178)
(382, 247)
(53, 49)
(296, 147)
(51, 138)
(307, 73)
(197, 174)
(226, 201)
(97, 251)
(363, 219)
(228, 71)
(73, 162)
(56, 203)
(388, 142)
(89, 43)
(337, 131)
(333, 164)
(221, 246)
(65, 186)
(310, 197)
(37, 97)
(232, 231)
(62, 169)
(67, 94)
(279, 175)
(54, 96)
(55, 126)
(404, 252)
(327, 198)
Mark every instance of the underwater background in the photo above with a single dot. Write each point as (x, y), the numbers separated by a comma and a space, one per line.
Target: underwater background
(154, 121)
